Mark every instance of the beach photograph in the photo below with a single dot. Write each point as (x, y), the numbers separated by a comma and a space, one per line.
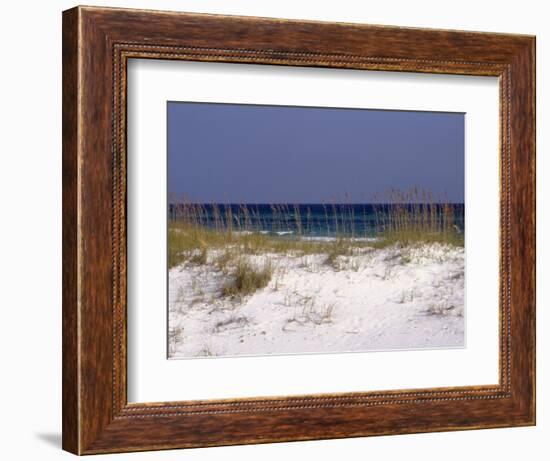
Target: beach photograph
(303, 230)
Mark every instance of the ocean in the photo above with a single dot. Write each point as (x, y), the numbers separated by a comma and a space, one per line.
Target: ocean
(320, 220)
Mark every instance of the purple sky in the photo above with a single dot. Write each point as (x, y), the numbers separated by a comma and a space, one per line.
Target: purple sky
(237, 153)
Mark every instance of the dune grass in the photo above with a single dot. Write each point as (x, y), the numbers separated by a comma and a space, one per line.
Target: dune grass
(188, 243)
(247, 278)
(401, 218)
(416, 216)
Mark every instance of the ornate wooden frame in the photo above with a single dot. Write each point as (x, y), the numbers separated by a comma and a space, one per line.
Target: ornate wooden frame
(97, 43)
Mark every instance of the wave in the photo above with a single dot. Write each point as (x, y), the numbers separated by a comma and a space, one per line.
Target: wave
(332, 239)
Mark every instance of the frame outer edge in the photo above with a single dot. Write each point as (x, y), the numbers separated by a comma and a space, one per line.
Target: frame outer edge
(70, 216)
(531, 241)
(534, 213)
(533, 183)
(523, 245)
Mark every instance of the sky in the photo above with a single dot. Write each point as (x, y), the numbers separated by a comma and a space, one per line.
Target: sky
(237, 153)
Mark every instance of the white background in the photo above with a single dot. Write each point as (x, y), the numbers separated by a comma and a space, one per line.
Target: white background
(30, 244)
(153, 378)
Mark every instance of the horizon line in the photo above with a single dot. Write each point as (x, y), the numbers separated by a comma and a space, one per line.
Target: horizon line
(314, 203)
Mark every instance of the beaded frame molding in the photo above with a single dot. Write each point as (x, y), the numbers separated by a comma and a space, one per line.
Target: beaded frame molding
(97, 43)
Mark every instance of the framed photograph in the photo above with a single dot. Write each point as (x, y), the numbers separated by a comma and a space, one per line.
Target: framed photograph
(281, 230)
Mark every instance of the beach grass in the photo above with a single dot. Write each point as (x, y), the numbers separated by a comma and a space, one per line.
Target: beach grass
(416, 216)
(401, 218)
(189, 243)
(247, 278)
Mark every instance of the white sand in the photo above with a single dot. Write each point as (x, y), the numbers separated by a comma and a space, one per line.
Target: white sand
(378, 299)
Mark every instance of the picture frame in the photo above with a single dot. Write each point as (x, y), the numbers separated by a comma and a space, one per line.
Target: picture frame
(97, 45)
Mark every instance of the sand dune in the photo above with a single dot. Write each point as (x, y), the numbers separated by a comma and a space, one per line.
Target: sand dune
(376, 299)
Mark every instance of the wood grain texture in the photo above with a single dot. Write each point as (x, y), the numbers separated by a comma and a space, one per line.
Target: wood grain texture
(97, 42)
(70, 384)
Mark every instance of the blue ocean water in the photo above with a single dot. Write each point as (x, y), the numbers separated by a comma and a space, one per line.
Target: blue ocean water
(316, 220)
